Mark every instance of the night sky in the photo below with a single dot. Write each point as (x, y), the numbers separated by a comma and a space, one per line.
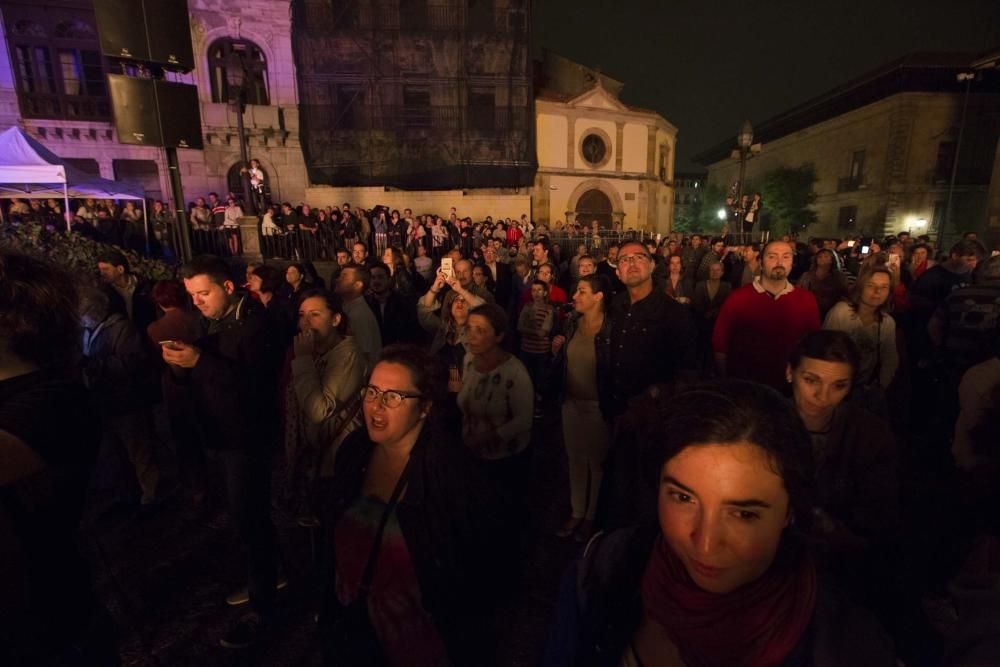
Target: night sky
(705, 65)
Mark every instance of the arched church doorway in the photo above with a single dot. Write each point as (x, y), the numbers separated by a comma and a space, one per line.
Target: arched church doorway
(594, 205)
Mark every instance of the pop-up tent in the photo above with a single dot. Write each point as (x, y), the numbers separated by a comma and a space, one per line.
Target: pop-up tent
(28, 170)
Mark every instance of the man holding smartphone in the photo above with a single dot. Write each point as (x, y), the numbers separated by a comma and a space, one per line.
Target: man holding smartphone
(231, 373)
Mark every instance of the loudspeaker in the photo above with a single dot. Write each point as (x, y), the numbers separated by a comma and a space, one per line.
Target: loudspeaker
(180, 114)
(134, 103)
(122, 27)
(168, 29)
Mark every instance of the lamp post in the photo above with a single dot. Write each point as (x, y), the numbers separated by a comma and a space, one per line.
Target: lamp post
(967, 78)
(236, 77)
(744, 140)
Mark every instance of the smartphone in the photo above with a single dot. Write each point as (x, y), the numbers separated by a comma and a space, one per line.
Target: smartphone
(169, 344)
(850, 244)
(865, 249)
(447, 267)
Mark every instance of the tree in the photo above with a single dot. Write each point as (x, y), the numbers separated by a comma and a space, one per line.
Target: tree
(788, 194)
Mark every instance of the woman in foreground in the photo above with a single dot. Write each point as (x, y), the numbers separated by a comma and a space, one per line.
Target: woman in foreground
(414, 532)
(724, 577)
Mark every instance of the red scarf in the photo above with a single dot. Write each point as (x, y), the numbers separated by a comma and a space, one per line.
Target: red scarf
(757, 625)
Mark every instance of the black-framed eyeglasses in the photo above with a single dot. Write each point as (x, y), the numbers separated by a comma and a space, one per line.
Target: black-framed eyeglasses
(390, 398)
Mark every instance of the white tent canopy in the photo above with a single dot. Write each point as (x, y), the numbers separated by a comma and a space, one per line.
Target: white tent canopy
(30, 170)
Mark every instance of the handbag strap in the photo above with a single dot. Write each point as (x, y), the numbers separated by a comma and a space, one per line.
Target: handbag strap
(369, 571)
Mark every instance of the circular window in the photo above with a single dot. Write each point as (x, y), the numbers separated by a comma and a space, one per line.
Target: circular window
(595, 149)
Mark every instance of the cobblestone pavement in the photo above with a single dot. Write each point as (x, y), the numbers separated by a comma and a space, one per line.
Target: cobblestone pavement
(165, 578)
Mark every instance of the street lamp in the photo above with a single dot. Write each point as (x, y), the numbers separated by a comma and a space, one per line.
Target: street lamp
(236, 77)
(967, 78)
(744, 140)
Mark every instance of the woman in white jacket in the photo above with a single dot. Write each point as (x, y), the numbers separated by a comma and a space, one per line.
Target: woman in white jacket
(323, 397)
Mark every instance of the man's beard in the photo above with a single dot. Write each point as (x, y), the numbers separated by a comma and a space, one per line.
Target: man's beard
(778, 273)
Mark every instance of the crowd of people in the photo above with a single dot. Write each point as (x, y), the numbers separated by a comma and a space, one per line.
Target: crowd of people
(745, 427)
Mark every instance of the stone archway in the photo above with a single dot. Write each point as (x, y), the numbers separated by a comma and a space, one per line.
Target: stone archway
(594, 199)
(594, 205)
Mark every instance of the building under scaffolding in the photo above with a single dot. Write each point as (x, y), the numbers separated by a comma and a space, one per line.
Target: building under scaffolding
(415, 94)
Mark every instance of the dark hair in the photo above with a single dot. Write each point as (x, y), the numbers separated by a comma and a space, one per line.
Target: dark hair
(967, 248)
(207, 265)
(545, 285)
(39, 322)
(599, 284)
(271, 279)
(298, 267)
(379, 265)
(827, 345)
(544, 242)
(168, 294)
(427, 371)
(737, 411)
(114, 258)
(361, 274)
(333, 303)
(494, 314)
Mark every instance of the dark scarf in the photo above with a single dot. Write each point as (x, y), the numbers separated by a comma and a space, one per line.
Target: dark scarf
(757, 625)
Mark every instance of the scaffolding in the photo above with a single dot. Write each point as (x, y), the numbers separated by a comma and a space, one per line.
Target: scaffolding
(415, 94)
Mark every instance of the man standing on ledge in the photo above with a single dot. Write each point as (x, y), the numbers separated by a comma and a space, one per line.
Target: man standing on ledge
(760, 323)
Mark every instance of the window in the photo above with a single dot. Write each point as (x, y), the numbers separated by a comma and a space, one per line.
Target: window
(254, 62)
(594, 149)
(349, 111)
(413, 14)
(663, 163)
(857, 169)
(847, 218)
(482, 109)
(937, 221)
(57, 66)
(945, 159)
(416, 106)
(479, 15)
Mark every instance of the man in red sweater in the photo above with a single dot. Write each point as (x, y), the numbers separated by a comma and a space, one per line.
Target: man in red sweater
(760, 323)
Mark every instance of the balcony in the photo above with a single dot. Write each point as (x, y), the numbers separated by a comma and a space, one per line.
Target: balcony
(419, 17)
(849, 184)
(392, 118)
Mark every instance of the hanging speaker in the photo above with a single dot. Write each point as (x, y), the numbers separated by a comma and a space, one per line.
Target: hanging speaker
(180, 114)
(133, 101)
(168, 29)
(122, 29)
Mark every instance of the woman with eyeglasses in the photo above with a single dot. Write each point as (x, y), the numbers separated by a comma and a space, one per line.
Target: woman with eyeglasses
(414, 531)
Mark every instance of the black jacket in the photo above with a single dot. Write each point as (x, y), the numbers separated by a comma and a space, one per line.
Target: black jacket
(117, 367)
(457, 532)
(600, 608)
(143, 307)
(234, 384)
(398, 324)
(650, 342)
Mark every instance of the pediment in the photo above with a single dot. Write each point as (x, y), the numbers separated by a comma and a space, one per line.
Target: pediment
(598, 98)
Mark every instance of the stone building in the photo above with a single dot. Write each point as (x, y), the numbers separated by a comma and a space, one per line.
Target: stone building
(446, 112)
(598, 158)
(53, 83)
(883, 146)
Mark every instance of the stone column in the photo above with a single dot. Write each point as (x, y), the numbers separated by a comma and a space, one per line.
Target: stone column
(250, 237)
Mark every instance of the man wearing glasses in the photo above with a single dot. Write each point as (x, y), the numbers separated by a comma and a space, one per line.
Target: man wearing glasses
(652, 337)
